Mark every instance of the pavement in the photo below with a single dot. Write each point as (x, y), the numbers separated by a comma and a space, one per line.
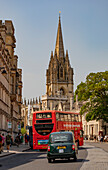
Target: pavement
(14, 150)
(102, 145)
(97, 158)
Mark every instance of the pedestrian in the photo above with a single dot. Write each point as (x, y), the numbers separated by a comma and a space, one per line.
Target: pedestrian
(95, 138)
(11, 141)
(21, 138)
(1, 141)
(101, 139)
(26, 141)
(17, 141)
(105, 138)
(8, 141)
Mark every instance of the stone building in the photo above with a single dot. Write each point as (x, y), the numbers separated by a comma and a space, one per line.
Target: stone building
(27, 109)
(10, 80)
(92, 128)
(59, 78)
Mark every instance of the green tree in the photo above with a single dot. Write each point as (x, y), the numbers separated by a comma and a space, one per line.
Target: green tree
(95, 92)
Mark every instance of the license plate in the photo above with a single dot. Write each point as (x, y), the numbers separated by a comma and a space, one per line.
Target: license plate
(61, 150)
(61, 147)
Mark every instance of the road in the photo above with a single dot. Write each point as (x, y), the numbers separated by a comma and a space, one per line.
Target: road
(97, 157)
(102, 145)
(31, 160)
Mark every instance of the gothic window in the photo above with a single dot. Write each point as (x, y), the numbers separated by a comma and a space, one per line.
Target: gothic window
(12, 84)
(62, 91)
(61, 72)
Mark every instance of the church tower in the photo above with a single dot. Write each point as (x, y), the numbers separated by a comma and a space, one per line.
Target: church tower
(59, 77)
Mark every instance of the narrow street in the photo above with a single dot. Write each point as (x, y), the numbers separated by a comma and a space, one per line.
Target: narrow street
(31, 160)
(92, 155)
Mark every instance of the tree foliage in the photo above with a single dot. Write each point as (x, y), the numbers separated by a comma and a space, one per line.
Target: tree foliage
(95, 92)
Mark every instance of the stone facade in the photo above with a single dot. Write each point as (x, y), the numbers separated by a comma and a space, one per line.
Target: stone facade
(94, 128)
(27, 109)
(10, 80)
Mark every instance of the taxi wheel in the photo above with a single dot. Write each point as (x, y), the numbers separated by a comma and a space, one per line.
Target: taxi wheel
(49, 160)
(75, 158)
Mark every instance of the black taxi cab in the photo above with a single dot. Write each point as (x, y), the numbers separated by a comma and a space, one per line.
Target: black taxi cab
(61, 145)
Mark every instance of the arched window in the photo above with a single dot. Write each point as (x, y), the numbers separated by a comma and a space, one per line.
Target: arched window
(61, 72)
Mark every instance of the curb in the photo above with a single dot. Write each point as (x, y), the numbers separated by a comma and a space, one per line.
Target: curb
(26, 149)
(1, 156)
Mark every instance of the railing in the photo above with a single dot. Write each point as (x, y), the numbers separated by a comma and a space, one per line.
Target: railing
(54, 97)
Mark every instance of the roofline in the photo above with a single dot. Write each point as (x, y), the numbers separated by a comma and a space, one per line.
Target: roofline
(44, 111)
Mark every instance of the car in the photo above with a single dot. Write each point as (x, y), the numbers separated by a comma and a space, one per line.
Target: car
(61, 145)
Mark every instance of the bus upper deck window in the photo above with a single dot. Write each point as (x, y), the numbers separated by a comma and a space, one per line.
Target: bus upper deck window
(44, 115)
(40, 116)
(48, 115)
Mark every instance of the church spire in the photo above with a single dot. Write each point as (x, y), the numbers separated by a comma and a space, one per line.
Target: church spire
(59, 48)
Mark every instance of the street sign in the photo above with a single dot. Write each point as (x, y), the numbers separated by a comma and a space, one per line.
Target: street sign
(19, 127)
(9, 125)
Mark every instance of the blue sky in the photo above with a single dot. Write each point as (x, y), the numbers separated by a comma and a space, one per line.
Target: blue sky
(85, 35)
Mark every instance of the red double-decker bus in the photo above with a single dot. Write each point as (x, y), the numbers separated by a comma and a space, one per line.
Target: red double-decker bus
(45, 122)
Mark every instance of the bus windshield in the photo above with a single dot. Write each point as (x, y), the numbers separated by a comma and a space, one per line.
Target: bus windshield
(43, 115)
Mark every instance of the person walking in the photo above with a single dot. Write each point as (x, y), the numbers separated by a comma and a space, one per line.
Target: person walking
(1, 141)
(3, 137)
(8, 141)
(95, 138)
(26, 141)
(17, 140)
(101, 139)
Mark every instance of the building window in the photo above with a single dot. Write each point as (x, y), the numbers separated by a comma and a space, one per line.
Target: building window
(62, 91)
(12, 84)
(61, 72)
(19, 91)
